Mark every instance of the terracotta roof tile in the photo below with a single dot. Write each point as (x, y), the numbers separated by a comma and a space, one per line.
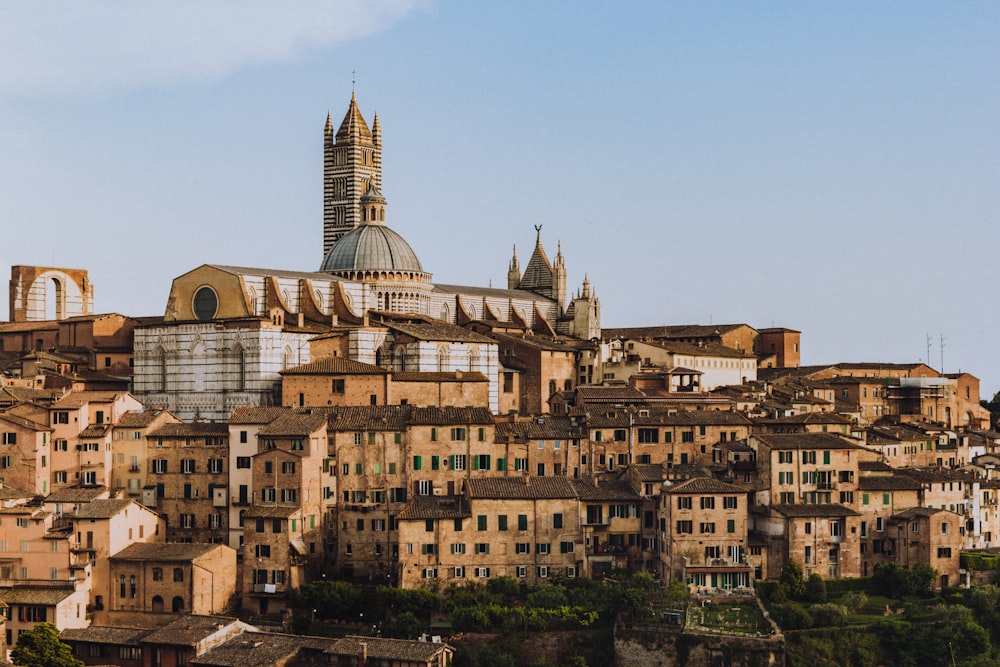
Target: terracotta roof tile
(195, 430)
(335, 366)
(704, 485)
(498, 488)
(165, 551)
(436, 507)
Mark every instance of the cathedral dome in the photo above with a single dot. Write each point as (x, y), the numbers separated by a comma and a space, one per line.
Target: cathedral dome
(371, 247)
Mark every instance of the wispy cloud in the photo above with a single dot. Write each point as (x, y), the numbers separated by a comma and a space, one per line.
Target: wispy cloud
(68, 46)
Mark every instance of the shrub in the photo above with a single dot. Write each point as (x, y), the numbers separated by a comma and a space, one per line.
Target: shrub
(815, 589)
(829, 615)
(792, 616)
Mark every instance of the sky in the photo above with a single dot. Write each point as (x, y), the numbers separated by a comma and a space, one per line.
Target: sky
(828, 167)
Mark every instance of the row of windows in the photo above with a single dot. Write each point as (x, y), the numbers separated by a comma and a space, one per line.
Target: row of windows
(707, 502)
(188, 466)
(808, 456)
(706, 527)
(459, 572)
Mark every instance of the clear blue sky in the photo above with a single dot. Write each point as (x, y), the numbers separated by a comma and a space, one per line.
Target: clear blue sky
(830, 167)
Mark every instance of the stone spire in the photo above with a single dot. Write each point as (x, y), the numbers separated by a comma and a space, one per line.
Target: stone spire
(514, 272)
(559, 292)
(352, 160)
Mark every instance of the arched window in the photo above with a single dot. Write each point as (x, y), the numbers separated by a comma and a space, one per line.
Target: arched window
(241, 368)
(178, 604)
(161, 369)
(131, 585)
(286, 360)
(473, 359)
(443, 359)
(157, 574)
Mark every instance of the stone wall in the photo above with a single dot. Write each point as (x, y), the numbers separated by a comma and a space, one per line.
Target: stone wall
(656, 646)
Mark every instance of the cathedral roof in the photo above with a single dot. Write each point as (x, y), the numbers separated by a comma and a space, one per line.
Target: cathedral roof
(538, 272)
(371, 247)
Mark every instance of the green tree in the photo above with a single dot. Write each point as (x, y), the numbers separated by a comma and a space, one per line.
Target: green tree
(41, 647)
(331, 599)
(993, 405)
(791, 579)
(815, 589)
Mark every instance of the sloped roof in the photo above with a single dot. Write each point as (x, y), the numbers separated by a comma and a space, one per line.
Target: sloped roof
(806, 441)
(165, 551)
(704, 485)
(436, 507)
(527, 487)
(335, 365)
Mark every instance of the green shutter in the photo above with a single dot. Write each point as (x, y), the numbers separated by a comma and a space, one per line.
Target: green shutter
(501, 464)
(416, 462)
(435, 462)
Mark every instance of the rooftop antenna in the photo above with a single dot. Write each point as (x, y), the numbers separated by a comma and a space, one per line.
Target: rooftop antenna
(928, 357)
(941, 348)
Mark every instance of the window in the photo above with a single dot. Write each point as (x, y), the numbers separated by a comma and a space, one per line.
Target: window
(522, 522)
(458, 433)
(707, 527)
(522, 548)
(483, 572)
(458, 462)
(520, 465)
(187, 466)
(178, 574)
(159, 466)
(424, 487)
(481, 462)
(565, 547)
(288, 467)
(428, 549)
(430, 573)
(187, 520)
(649, 436)
(157, 574)
(557, 520)
(729, 502)
(418, 463)
(9, 438)
(502, 522)
(543, 571)
(809, 457)
(683, 502)
(458, 572)
(707, 502)
(337, 386)
(481, 522)
(482, 548)
(215, 466)
(944, 552)
(522, 571)
(685, 527)
(242, 461)
(458, 549)
(60, 417)
(435, 462)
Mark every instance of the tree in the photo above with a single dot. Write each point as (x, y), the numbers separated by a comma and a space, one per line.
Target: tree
(41, 647)
(331, 599)
(815, 588)
(993, 405)
(791, 579)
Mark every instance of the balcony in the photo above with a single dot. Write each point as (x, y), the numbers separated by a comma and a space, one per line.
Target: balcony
(607, 549)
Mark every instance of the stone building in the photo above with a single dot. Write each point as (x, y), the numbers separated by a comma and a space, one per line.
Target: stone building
(182, 578)
(188, 480)
(704, 524)
(25, 453)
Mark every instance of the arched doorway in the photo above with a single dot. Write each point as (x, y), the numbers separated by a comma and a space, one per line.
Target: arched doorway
(178, 604)
(157, 603)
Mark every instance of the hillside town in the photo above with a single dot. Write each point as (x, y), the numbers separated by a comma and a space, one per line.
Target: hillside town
(362, 422)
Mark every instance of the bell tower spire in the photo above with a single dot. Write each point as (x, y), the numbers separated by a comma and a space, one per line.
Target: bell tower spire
(352, 160)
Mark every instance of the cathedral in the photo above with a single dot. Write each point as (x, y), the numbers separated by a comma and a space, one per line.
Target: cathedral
(229, 331)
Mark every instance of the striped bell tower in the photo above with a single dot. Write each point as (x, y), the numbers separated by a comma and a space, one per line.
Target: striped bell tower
(352, 161)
